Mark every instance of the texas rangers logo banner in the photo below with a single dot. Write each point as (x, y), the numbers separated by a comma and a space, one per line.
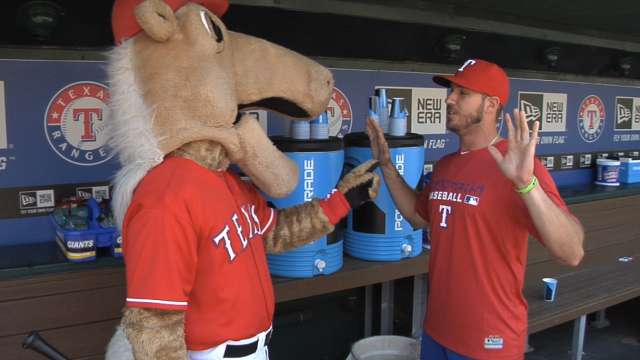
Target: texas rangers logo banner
(54, 126)
(54, 123)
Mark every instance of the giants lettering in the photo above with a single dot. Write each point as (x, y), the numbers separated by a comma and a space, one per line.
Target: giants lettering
(242, 235)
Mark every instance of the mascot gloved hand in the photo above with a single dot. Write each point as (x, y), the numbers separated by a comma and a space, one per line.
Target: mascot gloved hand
(195, 234)
(311, 220)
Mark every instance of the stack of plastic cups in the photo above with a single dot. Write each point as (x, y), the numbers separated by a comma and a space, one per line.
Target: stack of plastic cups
(383, 110)
(373, 108)
(320, 127)
(397, 119)
(320, 160)
(300, 130)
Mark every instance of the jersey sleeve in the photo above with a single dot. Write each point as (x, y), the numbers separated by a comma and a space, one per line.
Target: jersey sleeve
(422, 202)
(160, 250)
(266, 214)
(545, 181)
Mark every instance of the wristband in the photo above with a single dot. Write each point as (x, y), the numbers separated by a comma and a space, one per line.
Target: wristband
(335, 207)
(527, 189)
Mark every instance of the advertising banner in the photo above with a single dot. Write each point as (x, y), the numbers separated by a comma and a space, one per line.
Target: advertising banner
(54, 126)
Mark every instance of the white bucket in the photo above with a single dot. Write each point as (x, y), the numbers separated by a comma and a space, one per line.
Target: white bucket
(607, 172)
(385, 347)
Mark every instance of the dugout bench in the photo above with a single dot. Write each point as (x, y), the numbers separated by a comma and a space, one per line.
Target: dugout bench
(612, 228)
(72, 302)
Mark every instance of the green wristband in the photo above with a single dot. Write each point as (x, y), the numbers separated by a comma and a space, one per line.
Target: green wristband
(527, 189)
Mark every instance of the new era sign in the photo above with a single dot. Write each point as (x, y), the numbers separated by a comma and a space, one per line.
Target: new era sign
(36, 199)
(627, 113)
(426, 106)
(550, 109)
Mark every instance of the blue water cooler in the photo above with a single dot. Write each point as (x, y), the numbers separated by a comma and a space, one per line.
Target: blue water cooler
(320, 162)
(377, 230)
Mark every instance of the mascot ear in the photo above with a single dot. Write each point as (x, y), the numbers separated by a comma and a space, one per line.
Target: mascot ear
(156, 19)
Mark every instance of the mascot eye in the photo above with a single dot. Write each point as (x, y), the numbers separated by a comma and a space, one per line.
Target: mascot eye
(211, 26)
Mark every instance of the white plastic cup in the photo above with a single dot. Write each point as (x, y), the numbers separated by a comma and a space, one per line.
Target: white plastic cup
(550, 289)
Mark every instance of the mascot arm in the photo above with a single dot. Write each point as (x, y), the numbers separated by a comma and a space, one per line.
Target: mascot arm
(155, 334)
(304, 223)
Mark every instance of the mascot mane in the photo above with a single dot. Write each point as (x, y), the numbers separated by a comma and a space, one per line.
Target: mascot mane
(132, 135)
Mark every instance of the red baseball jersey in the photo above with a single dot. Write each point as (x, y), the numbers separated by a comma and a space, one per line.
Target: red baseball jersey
(479, 235)
(193, 241)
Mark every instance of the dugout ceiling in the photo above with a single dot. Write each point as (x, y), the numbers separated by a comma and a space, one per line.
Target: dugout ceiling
(586, 37)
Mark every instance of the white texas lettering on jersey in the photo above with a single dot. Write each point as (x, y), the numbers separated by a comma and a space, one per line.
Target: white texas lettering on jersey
(224, 234)
(243, 235)
(445, 210)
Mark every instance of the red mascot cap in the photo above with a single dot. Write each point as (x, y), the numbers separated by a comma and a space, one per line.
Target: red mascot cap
(481, 76)
(123, 20)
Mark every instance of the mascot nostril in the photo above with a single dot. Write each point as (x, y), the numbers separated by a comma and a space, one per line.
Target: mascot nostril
(194, 233)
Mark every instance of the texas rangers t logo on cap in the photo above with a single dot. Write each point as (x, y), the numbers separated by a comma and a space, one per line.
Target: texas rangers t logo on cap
(480, 76)
(466, 63)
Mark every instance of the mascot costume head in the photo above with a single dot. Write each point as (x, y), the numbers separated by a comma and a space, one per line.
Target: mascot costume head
(179, 80)
(178, 76)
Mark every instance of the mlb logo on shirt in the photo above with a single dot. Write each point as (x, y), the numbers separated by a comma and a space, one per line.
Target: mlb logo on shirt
(471, 200)
(493, 342)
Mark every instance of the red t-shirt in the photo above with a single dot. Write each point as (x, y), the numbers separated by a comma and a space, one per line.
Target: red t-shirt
(479, 235)
(193, 241)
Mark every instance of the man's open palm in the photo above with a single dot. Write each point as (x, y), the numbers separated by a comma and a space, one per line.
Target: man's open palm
(517, 163)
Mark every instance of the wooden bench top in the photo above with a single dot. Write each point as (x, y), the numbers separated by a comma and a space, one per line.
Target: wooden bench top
(583, 292)
(354, 273)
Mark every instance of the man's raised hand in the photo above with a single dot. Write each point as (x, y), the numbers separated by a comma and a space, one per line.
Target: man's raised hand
(517, 163)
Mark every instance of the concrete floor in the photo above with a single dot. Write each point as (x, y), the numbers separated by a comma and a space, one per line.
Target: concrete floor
(619, 341)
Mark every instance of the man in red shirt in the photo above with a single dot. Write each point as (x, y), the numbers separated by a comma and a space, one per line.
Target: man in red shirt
(480, 206)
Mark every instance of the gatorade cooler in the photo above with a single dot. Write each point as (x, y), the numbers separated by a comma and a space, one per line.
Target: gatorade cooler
(376, 230)
(320, 163)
